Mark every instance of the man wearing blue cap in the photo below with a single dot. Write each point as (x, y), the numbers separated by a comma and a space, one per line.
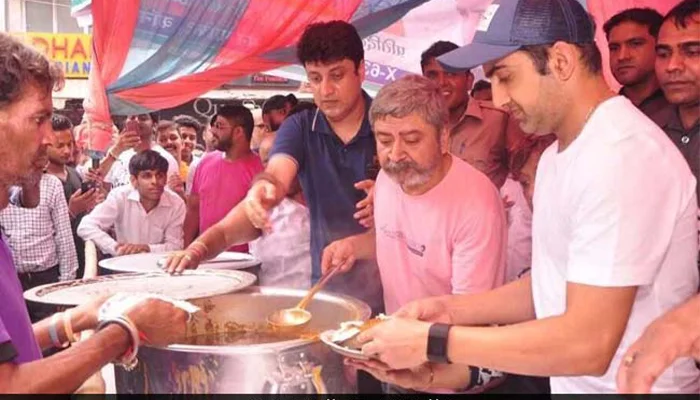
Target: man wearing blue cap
(614, 227)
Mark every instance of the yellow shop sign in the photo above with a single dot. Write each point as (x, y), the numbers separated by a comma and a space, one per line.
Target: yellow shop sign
(72, 52)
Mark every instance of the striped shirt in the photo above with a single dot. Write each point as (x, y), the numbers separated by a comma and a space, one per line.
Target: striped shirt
(41, 237)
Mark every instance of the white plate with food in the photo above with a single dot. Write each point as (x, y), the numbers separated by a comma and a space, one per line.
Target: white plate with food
(344, 340)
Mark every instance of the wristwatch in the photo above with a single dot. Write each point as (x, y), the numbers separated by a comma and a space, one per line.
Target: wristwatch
(437, 343)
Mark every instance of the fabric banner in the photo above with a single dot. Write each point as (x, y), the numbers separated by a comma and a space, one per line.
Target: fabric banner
(154, 54)
(396, 51)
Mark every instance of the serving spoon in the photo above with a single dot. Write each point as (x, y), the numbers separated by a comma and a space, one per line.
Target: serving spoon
(298, 316)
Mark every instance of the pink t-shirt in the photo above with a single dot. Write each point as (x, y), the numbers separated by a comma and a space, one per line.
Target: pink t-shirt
(220, 185)
(449, 240)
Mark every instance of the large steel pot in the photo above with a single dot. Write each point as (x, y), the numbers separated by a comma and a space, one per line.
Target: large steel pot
(287, 366)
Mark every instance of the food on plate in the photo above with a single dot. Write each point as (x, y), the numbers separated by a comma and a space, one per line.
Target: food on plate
(346, 336)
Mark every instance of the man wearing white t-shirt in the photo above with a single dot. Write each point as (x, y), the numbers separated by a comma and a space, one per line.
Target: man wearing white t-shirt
(614, 234)
(115, 166)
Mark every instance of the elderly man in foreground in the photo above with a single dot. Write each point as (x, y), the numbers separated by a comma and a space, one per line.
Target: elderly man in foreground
(25, 120)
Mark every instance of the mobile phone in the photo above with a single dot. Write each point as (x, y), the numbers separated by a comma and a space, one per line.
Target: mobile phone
(132, 125)
(87, 186)
(95, 154)
(95, 163)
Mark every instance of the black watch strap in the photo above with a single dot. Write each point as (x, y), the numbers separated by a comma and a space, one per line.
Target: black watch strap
(437, 343)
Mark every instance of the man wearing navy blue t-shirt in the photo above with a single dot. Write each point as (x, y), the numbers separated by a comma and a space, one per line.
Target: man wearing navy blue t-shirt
(332, 151)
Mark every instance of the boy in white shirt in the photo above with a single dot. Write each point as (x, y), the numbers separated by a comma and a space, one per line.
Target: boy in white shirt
(285, 252)
(146, 216)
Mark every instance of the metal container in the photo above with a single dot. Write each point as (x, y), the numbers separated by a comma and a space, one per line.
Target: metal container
(286, 366)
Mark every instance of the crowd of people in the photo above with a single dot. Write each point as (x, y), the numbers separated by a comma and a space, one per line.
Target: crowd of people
(531, 233)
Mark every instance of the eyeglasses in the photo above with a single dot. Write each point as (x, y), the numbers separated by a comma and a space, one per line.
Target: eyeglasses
(221, 126)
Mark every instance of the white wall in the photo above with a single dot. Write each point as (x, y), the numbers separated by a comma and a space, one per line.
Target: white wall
(3, 22)
(15, 16)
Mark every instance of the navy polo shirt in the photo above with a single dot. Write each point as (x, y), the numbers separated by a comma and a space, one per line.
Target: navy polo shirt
(328, 171)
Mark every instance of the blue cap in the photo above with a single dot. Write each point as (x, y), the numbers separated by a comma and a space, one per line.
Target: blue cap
(507, 25)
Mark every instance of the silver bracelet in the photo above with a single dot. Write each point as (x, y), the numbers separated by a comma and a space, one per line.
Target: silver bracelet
(53, 332)
(128, 360)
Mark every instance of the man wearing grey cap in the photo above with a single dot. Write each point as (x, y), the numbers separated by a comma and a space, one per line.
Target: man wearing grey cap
(614, 230)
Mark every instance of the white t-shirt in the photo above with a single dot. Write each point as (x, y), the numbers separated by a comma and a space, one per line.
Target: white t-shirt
(448, 240)
(119, 175)
(617, 208)
(285, 252)
(190, 174)
(519, 251)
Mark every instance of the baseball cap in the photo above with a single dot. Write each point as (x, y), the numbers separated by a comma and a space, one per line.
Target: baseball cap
(508, 25)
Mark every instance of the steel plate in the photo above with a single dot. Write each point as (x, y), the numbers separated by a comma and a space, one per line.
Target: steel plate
(151, 262)
(192, 284)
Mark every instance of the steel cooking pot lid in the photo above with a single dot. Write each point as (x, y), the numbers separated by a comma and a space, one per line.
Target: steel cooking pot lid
(149, 262)
(190, 285)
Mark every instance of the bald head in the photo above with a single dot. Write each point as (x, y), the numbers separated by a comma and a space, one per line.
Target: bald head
(266, 146)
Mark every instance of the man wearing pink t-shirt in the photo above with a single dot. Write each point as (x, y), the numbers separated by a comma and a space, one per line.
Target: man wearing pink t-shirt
(440, 224)
(223, 177)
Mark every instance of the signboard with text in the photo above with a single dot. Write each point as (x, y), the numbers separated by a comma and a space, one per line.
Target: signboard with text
(265, 79)
(72, 52)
